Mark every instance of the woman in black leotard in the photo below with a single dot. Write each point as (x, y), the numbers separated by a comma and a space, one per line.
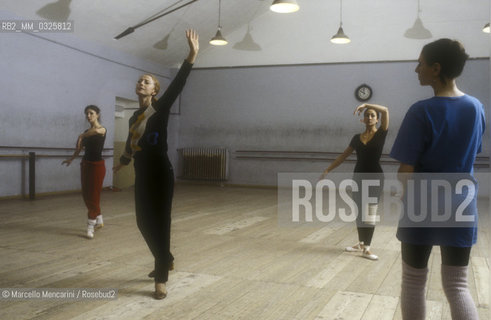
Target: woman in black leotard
(154, 176)
(368, 146)
(92, 167)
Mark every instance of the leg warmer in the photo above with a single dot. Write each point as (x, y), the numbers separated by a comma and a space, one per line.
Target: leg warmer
(454, 280)
(413, 303)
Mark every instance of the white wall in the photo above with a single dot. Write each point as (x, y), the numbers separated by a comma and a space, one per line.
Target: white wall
(47, 80)
(299, 108)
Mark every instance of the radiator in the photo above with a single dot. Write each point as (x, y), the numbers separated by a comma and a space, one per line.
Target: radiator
(203, 164)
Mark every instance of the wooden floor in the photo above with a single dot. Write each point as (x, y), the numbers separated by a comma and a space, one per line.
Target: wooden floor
(233, 261)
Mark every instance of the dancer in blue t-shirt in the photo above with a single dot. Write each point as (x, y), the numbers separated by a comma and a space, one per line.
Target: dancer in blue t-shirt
(441, 134)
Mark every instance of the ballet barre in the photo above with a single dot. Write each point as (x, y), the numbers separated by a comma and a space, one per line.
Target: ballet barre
(31, 156)
(325, 156)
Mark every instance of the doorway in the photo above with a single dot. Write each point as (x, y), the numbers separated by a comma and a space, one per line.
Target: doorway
(124, 108)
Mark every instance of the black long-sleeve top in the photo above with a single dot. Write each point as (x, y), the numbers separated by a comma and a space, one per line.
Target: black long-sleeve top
(148, 127)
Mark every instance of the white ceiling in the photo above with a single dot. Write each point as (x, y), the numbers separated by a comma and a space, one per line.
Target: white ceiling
(376, 28)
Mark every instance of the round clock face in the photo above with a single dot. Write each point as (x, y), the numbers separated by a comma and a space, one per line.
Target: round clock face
(363, 92)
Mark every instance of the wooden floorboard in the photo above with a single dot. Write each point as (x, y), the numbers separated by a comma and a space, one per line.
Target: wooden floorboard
(233, 261)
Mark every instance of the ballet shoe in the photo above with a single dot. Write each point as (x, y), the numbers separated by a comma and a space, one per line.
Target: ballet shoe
(90, 228)
(370, 256)
(99, 222)
(160, 291)
(356, 248)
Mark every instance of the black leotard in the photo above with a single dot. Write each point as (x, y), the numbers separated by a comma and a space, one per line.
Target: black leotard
(368, 156)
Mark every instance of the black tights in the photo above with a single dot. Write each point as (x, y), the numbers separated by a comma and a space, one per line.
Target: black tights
(154, 187)
(365, 234)
(417, 255)
(366, 230)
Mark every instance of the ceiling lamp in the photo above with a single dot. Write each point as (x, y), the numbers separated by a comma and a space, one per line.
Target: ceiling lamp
(340, 37)
(284, 6)
(218, 39)
(486, 28)
(164, 43)
(247, 44)
(418, 31)
(56, 11)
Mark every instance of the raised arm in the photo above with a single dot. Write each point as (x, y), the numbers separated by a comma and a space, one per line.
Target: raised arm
(170, 95)
(193, 42)
(340, 159)
(384, 113)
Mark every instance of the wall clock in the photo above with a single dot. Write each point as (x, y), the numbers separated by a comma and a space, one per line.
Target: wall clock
(363, 92)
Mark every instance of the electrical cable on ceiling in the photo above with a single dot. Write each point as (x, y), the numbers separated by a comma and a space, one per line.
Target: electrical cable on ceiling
(152, 18)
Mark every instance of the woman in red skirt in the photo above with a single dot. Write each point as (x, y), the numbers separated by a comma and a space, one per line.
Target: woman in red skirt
(92, 167)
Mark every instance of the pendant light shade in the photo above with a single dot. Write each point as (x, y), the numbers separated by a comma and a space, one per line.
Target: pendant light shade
(56, 11)
(247, 44)
(284, 6)
(340, 37)
(418, 31)
(486, 28)
(218, 39)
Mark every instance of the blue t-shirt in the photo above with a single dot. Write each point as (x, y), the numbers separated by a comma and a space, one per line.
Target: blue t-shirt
(441, 135)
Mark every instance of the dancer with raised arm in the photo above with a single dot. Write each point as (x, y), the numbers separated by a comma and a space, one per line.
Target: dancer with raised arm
(368, 146)
(154, 175)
